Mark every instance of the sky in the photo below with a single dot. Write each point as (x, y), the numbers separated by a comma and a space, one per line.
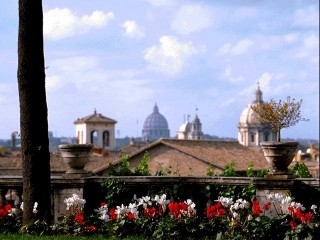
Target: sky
(189, 57)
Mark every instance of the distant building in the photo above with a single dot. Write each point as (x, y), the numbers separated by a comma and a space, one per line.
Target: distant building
(155, 126)
(96, 129)
(191, 130)
(176, 157)
(250, 131)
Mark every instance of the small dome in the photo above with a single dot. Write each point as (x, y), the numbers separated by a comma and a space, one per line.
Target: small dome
(248, 116)
(155, 120)
(186, 127)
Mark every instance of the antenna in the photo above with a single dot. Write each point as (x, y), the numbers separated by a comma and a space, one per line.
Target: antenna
(137, 128)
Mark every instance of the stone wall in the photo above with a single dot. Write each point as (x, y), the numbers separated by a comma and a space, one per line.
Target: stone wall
(88, 187)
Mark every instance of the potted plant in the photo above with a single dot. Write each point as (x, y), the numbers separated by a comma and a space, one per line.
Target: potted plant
(279, 115)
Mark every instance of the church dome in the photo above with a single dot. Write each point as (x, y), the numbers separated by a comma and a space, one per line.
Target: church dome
(155, 126)
(248, 116)
(251, 132)
(186, 127)
(155, 120)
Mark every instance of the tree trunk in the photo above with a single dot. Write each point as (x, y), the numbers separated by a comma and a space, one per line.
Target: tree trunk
(278, 136)
(33, 112)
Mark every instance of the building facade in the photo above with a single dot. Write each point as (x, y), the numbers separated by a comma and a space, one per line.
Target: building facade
(96, 129)
(191, 130)
(250, 131)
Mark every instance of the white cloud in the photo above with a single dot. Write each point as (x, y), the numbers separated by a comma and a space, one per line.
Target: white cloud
(224, 49)
(309, 49)
(53, 83)
(227, 74)
(239, 48)
(264, 81)
(273, 83)
(71, 70)
(307, 17)
(61, 23)
(291, 37)
(170, 55)
(191, 18)
(132, 29)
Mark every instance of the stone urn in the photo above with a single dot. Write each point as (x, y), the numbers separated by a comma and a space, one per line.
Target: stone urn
(76, 156)
(279, 155)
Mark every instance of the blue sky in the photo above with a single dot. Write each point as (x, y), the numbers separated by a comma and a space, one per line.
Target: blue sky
(121, 57)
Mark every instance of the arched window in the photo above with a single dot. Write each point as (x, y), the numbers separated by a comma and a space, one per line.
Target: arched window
(94, 137)
(106, 139)
(266, 136)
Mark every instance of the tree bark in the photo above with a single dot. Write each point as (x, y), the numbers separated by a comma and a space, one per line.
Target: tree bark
(33, 112)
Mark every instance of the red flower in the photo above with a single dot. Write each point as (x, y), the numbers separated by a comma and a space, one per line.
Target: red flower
(267, 206)
(91, 229)
(293, 225)
(102, 204)
(3, 213)
(306, 218)
(112, 214)
(174, 209)
(183, 206)
(79, 218)
(131, 216)
(215, 210)
(8, 207)
(150, 212)
(256, 210)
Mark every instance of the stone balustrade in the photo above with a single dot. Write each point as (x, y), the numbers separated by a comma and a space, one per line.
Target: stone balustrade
(88, 187)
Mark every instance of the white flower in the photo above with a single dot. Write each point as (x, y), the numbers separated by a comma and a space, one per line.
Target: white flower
(21, 206)
(35, 206)
(145, 201)
(297, 205)
(235, 215)
(313, 207)
(74, 201)
(250, 217)
(226, 202)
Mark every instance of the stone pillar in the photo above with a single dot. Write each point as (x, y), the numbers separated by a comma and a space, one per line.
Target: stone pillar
(266, 186)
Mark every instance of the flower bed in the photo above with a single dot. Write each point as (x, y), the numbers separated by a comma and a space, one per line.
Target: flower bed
(157, 217)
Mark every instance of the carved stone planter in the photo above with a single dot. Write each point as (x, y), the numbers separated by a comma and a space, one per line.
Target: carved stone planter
(279, 155)
(76, 156)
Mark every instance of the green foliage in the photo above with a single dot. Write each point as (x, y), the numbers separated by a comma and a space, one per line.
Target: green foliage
(229, 170)
(262, 173)
(249, 170)
(113, 189)
(10, 224)
(300, 170)
(251, 173)
(143, 168)
(36, 227)
(279, 115)
(210, 170)
(121, 169)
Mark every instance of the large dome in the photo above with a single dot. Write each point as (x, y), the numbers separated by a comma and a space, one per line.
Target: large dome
(155, 120)
(155, 126)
